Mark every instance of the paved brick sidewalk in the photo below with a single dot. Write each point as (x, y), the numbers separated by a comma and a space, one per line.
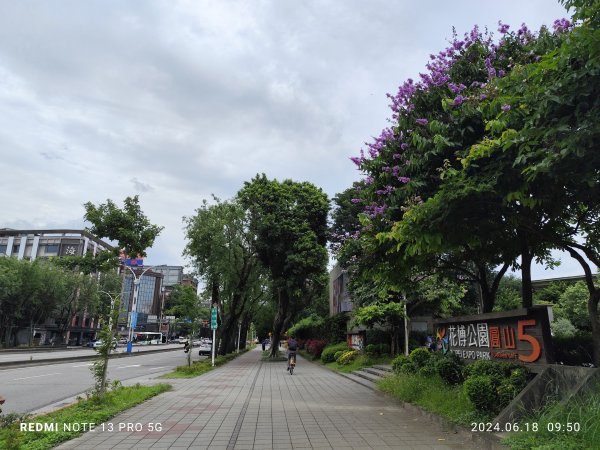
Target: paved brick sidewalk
(249, 404)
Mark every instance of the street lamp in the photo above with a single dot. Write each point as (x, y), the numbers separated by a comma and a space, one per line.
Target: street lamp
(133, 318)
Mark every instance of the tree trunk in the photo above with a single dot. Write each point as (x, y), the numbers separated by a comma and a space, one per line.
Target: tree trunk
(526, 286)
(593, 300)
(595, 320)
(282, 307)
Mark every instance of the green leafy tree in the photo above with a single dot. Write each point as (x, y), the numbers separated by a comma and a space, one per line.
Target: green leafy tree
(108, 287)
(128, 226)
(550, 293)
(509, 294)
(562, 327)
(11, 303)
(549, 122)
(573, 305)
(289, 220)
(220, 245)
(345, 221)
(390, 315)
(186, 306)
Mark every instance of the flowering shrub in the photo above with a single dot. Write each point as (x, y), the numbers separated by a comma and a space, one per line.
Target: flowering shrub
(315, 347)
(347, 357)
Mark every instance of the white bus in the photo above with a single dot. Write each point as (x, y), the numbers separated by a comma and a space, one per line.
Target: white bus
(147, 338)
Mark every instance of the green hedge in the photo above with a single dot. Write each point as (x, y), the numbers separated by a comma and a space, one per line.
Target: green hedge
(328, 354)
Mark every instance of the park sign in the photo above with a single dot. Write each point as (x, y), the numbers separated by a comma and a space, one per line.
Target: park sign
(521, 335)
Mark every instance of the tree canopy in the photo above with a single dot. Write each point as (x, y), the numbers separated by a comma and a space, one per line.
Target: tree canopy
(128, 225)
(289, 222)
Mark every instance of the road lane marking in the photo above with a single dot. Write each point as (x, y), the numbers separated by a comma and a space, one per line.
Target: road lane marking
(84, 365)
(125, 367)
(37, 376)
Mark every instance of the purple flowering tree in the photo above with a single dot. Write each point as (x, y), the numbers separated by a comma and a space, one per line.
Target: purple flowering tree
(426, 206)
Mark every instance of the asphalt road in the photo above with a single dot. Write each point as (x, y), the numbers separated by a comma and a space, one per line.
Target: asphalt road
(10, 356)
(28, 389)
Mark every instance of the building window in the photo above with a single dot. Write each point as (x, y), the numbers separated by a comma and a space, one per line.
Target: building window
(3, 248)
(52, 248)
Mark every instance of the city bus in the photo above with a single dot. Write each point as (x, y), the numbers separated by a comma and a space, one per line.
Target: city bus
(147, 338)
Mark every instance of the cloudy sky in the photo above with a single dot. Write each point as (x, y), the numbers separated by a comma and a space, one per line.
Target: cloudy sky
(178, 100)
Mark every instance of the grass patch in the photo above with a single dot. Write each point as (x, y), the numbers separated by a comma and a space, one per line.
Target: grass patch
(580, 413)
(201, 367)
(86, 411)
(433, 395)
(360, 362)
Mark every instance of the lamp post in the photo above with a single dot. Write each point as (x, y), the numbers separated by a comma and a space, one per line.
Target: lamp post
(133, 318)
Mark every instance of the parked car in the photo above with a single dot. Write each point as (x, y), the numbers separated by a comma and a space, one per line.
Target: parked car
(182, 339)
(123, 340)
(205, 348)
(98, 343)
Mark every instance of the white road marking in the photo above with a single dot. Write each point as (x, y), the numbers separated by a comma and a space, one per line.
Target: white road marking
(36, 376)
(156, 368)
(125, 367)
(84, 365)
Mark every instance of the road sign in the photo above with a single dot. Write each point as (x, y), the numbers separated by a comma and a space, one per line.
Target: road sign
(133, 319)
(137, 262)
(213, 318)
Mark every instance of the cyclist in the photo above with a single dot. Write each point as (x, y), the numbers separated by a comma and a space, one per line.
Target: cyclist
(292, 346)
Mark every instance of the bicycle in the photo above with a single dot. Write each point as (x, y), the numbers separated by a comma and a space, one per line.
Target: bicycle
(292, 363)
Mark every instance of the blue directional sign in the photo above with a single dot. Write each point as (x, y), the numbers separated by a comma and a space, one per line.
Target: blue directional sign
(134, 316)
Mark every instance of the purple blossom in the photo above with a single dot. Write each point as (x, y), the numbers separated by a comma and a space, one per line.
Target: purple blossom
(374, 210)
(356, 160)
(396, 156)
(403, 180)
(386, 168)
(482, 97)
(385, 191)
(561, 25)
(458, 100)
(458, 45)
(456, 88)
(525, 36)
(503, 28)
(369, 180)
(356, 200)
(505, 107)
(422, 121)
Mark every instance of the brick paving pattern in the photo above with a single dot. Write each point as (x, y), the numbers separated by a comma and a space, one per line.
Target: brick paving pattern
(249, 404)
